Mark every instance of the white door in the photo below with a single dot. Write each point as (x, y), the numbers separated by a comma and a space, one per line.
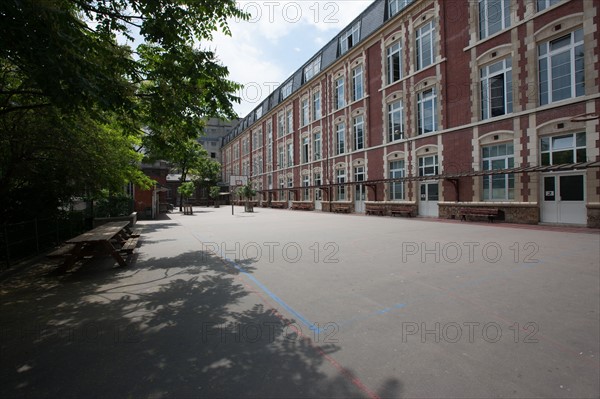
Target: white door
(563, 199)
(359, 190)
(428, 198)
(318, 199)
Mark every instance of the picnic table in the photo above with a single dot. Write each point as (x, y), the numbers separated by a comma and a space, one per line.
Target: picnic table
(108, 239)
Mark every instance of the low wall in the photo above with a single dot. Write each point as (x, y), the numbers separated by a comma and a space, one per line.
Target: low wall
(132, 218)
(593, 215)
(518, 212)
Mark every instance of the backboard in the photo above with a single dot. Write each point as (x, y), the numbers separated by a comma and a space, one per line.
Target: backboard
(237, 180)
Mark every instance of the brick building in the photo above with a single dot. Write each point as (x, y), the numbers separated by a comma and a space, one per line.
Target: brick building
(437, 106)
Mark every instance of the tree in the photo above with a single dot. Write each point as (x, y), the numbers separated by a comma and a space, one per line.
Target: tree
(215, 193)
(75, 104)
(186, 190)
(247, 192)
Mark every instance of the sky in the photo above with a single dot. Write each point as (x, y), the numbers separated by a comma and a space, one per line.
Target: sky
(279, 38)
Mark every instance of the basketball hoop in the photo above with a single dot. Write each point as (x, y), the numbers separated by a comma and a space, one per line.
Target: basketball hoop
(585, 117)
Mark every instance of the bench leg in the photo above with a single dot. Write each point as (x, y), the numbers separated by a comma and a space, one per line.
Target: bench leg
(115, 254)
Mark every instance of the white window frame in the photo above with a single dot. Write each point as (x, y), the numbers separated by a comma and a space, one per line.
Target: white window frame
(488, 162)
(358, 88)
(425, 165)
(340, 138)
(316, 105)
(317, 146)
(312, 69)
(393, 57)
(426, 31)
(578, 148)
(423, 98)
(340, 100)
(286, 90)
(349, 38)
(488, 9)
(498, 70)
(305, 114)
(395, 6)
(546, 58)
(358, 130)
(340, 178)
(306, 190)
(317, 183)
(395, 117)
(396, 172)
(289, 121)
(543, 4)
(290, 155)
(305, 149)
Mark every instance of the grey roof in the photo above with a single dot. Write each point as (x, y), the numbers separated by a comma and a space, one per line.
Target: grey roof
(370, 19)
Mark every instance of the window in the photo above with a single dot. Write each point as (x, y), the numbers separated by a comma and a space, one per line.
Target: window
(397, 171)
(280, 157)
(425, 45)
(281, 189)
(280, 124)
(312, 69)
(359, 133)
(290, 181)
(317, 147)
(349, 38)
(340, 135)
(286, 90)
(306, 191)
(258, 112)
(213, 155)
(543, 4)
(317, 105)
(359, 176)
(339, 93)
(561, 68)
(426, 109)
(496, 89)
(395, 6)
(290, 154)
(289, 125)
(270, 182)
(318, 193)
(357, 83)
(305, 113)
(395, 121)
(563, 149)
(498, 187)
(341, 189)
(428, 165)
(394, 63)
(269, 145)
(494, 16)
(305, 147)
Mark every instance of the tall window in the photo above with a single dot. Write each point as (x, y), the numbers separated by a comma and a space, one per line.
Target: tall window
(290, 154)
(317, 147)
(428, 165)
(280, 124)
(280, 157)
(425, 45)
(269, 145)
(561, 68)
(359, 133)
(316, 105)
(426, 109)
(289, 124)
(394, 63)
(340, 138)
(290, 184)
(496, 89)
(306, 190)
(494, 16)
(357, 83)
(312, 69)
(395, 121)
(498, 187)
(340, 179)
(397, 171)
(349, 38)
(543, 4)
(305, 113)
(340, 102)
(305, 144)
(563, 149)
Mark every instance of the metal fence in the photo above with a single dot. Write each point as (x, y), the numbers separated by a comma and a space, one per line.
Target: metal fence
(19, 241)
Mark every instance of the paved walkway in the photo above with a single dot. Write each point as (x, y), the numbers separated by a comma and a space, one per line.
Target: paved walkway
(300, 304)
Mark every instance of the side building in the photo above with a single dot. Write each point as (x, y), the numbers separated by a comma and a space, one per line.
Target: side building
(437, 107)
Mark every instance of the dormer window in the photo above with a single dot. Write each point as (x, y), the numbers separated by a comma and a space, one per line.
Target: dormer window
(286, 90)
(349, 38)
(312, 69)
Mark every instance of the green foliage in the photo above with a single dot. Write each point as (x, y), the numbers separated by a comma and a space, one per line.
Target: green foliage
(76, 107)
(246, 191)
(186, 189)
(207, 172)
(113, 204)
(215, 192)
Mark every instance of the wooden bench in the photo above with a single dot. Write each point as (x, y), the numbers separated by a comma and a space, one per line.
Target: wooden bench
(187, 210)
(304, 206)
(340, 208)
(136, 233)
(130, 245)
(490, 213)
(402, 211)
(374, 210)
(279, 205)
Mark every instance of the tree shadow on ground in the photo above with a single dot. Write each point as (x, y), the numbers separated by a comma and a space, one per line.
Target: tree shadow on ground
(183, 326)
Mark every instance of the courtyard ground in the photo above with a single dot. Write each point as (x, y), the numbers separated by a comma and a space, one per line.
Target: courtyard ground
(281, 303)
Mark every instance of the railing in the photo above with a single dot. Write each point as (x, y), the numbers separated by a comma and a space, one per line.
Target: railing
(21, 240)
